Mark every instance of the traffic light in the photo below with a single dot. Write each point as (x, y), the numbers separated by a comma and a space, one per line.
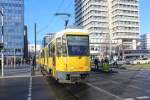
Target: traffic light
(1, 46)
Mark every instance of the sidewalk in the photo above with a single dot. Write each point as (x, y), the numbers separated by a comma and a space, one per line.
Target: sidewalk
(17, 71)
(137, 67)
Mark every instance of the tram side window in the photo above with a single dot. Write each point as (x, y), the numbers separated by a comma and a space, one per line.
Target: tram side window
(50, 50)
(58, 45)
(42, 54)
(64, 49)
(53, 50)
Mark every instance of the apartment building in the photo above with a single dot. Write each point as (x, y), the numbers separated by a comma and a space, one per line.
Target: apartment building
(112, 24)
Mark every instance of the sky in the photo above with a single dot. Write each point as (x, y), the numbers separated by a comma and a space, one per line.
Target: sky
(42, 13)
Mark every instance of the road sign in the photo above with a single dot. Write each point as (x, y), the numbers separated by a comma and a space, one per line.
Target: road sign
(1, 46)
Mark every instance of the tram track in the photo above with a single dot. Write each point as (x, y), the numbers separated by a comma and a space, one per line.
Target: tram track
(62, 91)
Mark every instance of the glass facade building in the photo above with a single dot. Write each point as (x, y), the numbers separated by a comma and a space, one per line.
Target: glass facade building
(13, 26)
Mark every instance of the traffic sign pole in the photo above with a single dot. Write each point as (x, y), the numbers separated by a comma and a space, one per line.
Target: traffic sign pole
(2, 51)
(2, 64)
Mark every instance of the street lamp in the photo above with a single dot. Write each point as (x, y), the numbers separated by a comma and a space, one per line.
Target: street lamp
(2, 32)
(2, 19)
(65, 15)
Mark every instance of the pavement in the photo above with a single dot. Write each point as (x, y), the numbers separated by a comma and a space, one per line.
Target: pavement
(19, 84)
(124, 85)
(17, 71)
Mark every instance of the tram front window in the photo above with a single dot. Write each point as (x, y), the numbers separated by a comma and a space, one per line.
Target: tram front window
(78, 45)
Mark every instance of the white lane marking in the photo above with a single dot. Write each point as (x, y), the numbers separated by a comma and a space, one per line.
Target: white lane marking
(143, 97)
(38, 76)
(30, 89)
(104, 91)
(132, 86)
(132, 79)
(129, 99)
(22, 76)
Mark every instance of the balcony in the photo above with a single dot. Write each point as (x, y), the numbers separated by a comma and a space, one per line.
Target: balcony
(125, 19)
(99, 3)
(126, 3)
(126, 37)
(126, 25)
(125, 8)
(125, 13)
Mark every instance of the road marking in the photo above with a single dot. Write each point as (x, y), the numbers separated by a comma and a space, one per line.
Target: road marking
(143, 97)
(132, 86)
(129, 99)
(104, 91)
(38, 76)
(22, 76)
(132, 79)
(30, 89)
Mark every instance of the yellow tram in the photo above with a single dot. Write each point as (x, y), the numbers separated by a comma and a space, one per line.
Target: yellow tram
(66, 57)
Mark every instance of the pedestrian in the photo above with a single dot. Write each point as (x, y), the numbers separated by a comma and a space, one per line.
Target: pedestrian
(105, 65)
(33, 64)
(115, 64)
(96, 62)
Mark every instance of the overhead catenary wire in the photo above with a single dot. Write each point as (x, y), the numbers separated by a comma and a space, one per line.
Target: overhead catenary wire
(50, 22)
(52, 19)
(68, 6)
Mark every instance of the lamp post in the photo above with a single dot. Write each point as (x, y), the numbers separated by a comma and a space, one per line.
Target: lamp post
(34, 59)
(66, 19)
(14, 58)
(2, 32)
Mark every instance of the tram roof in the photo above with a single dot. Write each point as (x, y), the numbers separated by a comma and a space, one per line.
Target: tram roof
(61, 33)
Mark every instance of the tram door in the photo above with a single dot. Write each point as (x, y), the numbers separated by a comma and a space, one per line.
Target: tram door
(54, 60)
(53, 56)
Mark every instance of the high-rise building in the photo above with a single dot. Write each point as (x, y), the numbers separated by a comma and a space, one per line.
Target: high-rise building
(31, 49)
(114, 22)
(13, 26)
(145, 41)
(125, 22)
(25, 42)
(47, 38)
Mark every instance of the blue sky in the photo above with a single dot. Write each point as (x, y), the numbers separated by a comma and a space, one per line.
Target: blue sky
(42, 12)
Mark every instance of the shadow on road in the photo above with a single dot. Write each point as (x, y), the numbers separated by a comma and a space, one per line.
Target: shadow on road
(67, 91)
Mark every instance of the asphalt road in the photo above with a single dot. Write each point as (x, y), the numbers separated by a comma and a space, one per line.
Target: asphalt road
(25, 88)
(125, 85)
(14, 88)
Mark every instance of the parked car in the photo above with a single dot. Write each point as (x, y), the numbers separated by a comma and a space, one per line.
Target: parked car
(141, 61)
(121, 62)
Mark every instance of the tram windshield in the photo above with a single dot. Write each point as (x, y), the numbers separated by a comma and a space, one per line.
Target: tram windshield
(78, 45)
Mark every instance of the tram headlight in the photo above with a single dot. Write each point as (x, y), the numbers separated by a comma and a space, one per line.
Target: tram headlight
(71, 68)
